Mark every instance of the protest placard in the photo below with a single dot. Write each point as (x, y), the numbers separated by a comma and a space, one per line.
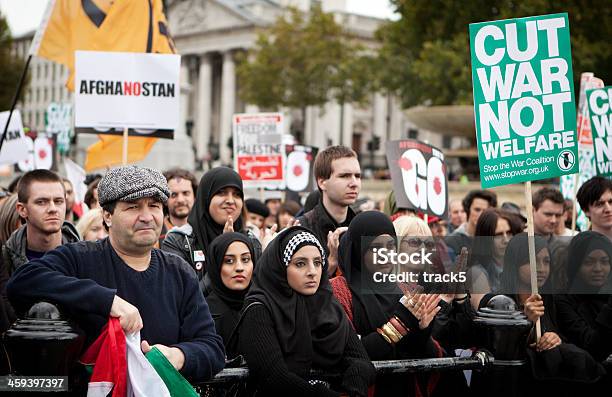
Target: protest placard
(118, 90)
(58, 121)
(569, 184)
(524, 102)
(600, 115)
(40, 149)
(15, 147)
(258, 149)
(298, 169)
(418, 173)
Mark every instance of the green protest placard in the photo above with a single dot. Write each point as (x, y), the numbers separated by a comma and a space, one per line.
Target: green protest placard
(524, 103)
(600, 114)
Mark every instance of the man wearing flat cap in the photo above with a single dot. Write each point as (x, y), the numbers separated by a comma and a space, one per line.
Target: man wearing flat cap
(123, 276)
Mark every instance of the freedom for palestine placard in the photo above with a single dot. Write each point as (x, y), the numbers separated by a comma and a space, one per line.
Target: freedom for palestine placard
(524, 103)
(600, 113)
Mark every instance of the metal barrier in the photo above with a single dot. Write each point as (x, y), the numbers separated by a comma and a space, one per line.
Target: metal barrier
(479, 360)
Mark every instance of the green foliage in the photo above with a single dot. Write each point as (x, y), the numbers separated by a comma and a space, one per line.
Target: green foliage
(303, 60)
(10, 68)
(426, 54)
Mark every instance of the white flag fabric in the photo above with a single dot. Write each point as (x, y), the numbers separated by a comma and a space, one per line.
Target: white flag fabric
(76, 175)
(15, 146)
(143, 380)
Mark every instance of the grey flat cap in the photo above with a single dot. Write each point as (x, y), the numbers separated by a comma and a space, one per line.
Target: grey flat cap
(130, 183)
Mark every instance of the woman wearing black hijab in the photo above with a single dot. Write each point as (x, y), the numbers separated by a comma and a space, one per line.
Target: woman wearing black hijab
(230, 269)
(516, 283)
(217, 208)
(388, 328)
(585, 313)
(291, 323)
(556, 367)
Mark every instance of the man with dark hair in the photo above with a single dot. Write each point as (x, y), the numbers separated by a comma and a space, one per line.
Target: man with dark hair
(70, 199)
(338, 176)
(183, 185)
(565, 224)
(595, 199)
(474, 203)
(273, 200)
(547, 211)
(42, 203)
(257, 212)
(123, 276)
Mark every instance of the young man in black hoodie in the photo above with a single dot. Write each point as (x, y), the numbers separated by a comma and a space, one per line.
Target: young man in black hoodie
(42, 203)
(338, 175)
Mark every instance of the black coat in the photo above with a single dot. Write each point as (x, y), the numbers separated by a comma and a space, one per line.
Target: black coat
(320, 222)
(586, 321)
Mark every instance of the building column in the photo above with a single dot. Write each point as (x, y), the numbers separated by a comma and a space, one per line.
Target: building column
(185, 89)
(228, 100)
(396, 118)
(204, 105)
(379, 125)
(347, 133)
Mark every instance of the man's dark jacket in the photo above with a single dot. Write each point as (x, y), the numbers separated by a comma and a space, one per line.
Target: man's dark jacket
(320, 222)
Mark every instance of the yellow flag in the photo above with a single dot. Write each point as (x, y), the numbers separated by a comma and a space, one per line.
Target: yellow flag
(107, 152)
(103, 25)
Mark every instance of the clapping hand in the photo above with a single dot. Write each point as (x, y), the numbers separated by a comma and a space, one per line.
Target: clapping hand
(423, 307)
(229, 225)
(268, 236)
(457, 291)
(333, 241)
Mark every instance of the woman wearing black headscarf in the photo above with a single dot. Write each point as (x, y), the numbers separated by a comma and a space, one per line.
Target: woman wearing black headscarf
(230, 269)
(556, 366)
(585, 313)
(516, 283)
(291, 323)
(217, 208)
(389, 328)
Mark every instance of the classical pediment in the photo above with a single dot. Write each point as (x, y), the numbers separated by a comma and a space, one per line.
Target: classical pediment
(200, 16)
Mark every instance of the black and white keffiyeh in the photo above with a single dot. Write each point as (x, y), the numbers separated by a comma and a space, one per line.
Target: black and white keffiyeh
(299, 240)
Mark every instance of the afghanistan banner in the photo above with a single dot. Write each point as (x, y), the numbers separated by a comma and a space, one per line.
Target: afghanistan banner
(524, 103)
(419, 178)
(117, 90)
(600, 115)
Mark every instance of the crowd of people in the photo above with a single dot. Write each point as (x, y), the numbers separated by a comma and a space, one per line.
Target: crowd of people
(211, 277)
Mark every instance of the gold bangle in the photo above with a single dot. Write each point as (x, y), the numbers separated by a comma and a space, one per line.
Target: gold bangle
(389, 331)
(395, 332)
(401, 323)
(390, 336)
(381, 333)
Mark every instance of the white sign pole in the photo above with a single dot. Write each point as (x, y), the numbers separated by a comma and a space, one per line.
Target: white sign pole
(125, 145)
(532, 253)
